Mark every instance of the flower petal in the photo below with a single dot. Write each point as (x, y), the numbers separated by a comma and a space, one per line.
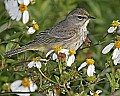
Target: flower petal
(66, 51)
(33, 86)
(98, 91)
(23, 89)
(25, 16)
(112, 29)
(19, 16)
(33, 22)
(44, 60)
(15, 85)
(31, 30)
(107, 48)
(31, 64)
(20, 1)
(91, 70)
(38, 64)
(82, 65)
(91, 93)
(116, 60)
(115, 53)
(54, 57)
(26, 2)
(48, 53)
(71, 60)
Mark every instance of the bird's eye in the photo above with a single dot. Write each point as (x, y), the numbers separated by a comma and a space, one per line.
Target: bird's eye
(81, 17)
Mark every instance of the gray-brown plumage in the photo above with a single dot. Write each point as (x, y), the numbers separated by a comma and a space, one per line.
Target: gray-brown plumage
(69, 33)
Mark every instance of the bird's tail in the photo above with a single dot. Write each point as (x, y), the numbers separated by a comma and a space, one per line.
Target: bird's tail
(17, 50)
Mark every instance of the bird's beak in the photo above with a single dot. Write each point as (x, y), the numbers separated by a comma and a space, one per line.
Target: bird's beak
(91, 17)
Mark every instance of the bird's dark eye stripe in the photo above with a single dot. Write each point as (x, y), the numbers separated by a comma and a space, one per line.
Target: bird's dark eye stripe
(81, 17)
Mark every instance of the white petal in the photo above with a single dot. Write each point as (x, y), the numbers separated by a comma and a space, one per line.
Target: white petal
(48, 53)
(71, 60)
(107, 48)
(98, 91)
(19, 16)
(44, 60)
(6, 5)
(82, 65)
(25, 16)
(91, 70)
(15, 85)
(51, 93)
(20, 1)
(91, 93)
(33, 22)
(31, 64)
(54, 57)
(23, 89)
(112, 29)
(115, 53)
(116, 60)
(66, 51)
(13, 12)
(31, 30)
(33, 86)
(26, 2)
(38, 64)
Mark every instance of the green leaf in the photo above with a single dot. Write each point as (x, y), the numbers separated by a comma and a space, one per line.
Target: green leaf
(9, 46)
(15, 35)
(57, 78)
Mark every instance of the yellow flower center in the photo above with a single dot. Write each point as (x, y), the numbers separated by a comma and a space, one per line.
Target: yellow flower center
(115, 23)
(95, 94)
(22, 7)
(35, 26)
(26, 82)
(57, 48)
(72, 51)
(90, 61)
(117, 44)
(36, 59)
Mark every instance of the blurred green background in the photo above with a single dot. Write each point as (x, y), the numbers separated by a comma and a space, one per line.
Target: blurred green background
(49, 12)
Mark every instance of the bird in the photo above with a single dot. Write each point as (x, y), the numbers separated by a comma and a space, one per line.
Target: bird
(69, 33)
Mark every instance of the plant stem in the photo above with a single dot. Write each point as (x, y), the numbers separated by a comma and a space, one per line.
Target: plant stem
(47, 77)
(67, 90)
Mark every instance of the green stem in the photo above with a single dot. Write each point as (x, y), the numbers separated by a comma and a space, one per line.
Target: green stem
(47, 77)
(60, 67)
(67, 90)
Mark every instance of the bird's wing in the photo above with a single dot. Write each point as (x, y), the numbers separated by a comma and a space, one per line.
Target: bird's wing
(44, 38)
(62, 31)
(57, 33)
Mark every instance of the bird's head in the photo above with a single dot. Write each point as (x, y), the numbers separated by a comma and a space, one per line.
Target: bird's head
(79, 16)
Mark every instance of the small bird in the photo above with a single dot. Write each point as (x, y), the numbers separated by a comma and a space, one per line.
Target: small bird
(69, 33)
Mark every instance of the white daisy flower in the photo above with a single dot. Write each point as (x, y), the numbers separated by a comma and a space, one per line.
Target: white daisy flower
(91, 67)
(36, 62)
(33, 28)
(96, 93)
(114, 26)
(17, 9)
(58, 54)
(25, 85)
(116, 52)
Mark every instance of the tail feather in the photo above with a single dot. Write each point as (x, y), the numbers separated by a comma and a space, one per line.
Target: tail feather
(16, 51)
